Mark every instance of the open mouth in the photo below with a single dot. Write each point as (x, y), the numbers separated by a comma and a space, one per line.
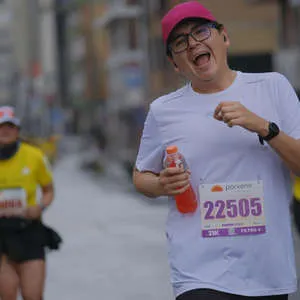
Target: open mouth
(202, 59)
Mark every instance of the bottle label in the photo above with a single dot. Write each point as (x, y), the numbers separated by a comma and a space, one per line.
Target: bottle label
(175, 160)
(232, 209)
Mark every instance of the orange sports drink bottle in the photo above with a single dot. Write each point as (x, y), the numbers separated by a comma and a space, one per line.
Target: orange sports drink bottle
(185, 202)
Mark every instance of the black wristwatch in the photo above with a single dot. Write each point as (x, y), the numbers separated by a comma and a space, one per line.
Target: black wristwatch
(273, 131)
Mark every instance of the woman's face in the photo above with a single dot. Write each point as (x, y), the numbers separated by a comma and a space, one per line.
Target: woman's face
(9, 133)
(202, 60)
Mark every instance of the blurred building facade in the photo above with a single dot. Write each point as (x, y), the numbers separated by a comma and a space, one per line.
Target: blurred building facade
(287, 58)
(81, 58)
(112, 61)
(6, 53)
(103, 69)
(286, 54)
(126, 27)
(35, 67)
(96, 65)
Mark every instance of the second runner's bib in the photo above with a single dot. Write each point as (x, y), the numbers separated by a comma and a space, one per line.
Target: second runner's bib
(12, 200)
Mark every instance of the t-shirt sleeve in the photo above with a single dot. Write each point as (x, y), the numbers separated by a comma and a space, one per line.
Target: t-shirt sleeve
(44, 173)
(150, 154)
(288, 108)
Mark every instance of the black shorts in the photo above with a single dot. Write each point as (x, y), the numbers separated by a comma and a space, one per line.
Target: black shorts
(207, 294)
(23, 240)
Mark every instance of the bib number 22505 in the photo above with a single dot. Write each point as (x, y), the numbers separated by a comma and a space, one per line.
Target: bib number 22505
(235, 208)
(232, 208)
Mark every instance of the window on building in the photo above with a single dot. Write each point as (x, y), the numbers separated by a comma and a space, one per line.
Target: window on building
(157, 54)
(158, 7)
(132, 29)
(124, 35)
(133, 2)
(117, 35)
(116, 2)
(163, 5)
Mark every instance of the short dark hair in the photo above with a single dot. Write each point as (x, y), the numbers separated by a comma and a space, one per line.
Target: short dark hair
(219, 27)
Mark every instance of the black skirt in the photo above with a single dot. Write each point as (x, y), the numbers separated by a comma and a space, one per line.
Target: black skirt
(23, 240)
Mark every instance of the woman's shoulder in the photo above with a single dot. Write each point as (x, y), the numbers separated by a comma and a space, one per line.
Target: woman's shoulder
(31, 149)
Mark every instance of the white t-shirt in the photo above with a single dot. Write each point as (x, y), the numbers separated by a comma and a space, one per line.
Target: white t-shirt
(250, 265)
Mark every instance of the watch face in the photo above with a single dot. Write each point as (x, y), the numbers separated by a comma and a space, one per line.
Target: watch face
(274, 129)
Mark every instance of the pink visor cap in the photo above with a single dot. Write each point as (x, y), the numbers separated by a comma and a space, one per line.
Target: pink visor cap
(190, 9)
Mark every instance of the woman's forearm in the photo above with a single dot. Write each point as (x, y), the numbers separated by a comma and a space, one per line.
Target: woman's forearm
(289, 150)
(47, 195)
(147, 183)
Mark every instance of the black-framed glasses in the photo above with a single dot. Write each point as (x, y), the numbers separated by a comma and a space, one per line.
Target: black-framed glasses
(199, 34)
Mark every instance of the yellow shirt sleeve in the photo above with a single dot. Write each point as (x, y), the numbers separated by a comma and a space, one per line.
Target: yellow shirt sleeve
(44, 172)
(297, 188)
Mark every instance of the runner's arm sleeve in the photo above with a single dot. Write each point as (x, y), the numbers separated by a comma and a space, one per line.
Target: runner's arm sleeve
(44, 173)
(288, 107)
(151, 150)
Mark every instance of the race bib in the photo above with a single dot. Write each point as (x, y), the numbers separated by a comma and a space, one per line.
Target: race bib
(12, 200)
(232, 209)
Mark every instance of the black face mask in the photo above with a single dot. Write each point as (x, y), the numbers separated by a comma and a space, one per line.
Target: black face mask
(8, 151)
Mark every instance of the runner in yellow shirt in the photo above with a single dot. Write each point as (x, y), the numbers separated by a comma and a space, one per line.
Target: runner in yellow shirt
(23, 236)
(296, 206)
(297, 188)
